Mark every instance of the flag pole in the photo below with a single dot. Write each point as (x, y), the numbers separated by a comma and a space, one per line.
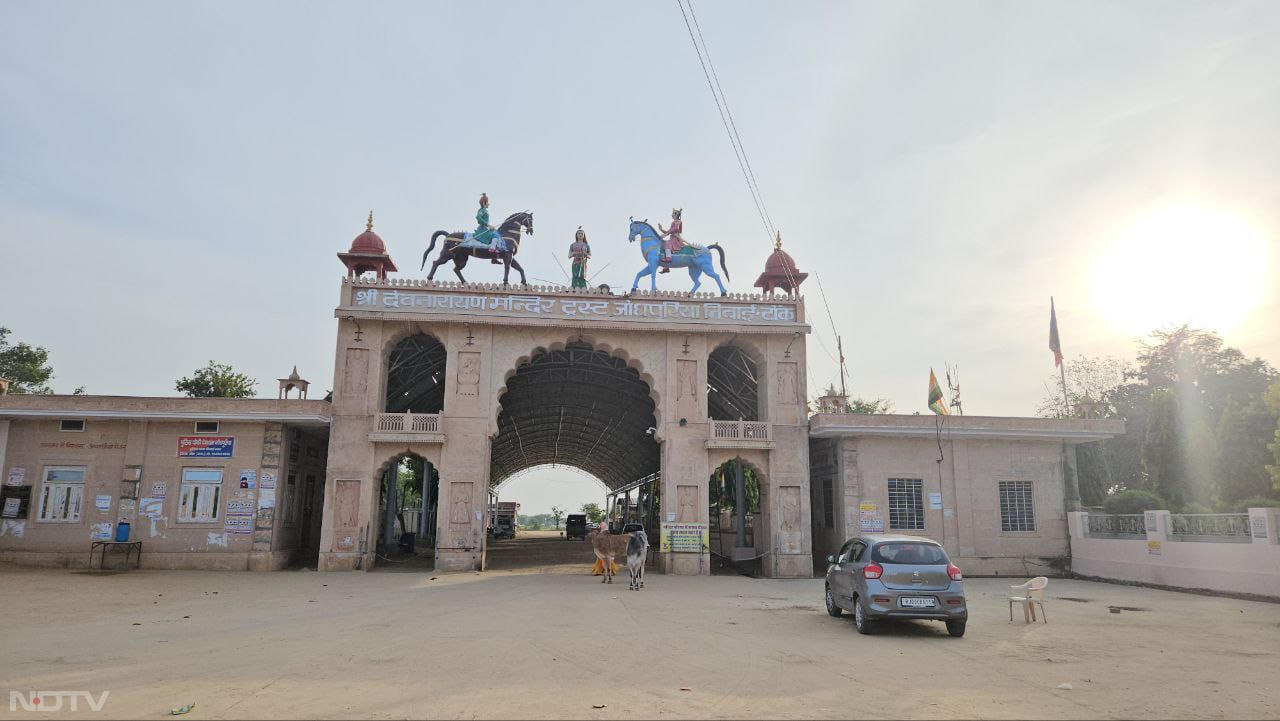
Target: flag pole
(1065, 400)
(1055, 345)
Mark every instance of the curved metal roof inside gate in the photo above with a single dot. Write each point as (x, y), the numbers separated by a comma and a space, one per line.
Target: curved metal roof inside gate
(580, 407)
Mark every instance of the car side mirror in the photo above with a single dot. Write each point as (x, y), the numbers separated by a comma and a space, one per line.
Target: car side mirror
(831, 559)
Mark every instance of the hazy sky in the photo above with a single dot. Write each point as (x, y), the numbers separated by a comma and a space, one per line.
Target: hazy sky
(177, 177)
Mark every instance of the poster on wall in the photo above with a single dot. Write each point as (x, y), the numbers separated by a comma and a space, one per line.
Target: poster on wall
(935, 501)
(239, 524)
(16, 477)
(13, 528)
(158, 490)
(684, 538)
(206, 446)
(267, 498)
(11, 506)
(239, 506)
(268, 480)
(249, 478)
(102, 503)
(870, 519)
(151, 507)
(100, 531)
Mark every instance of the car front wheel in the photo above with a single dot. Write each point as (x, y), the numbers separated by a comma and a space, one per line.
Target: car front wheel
(955, 628)
(832, 608)
(864, 625)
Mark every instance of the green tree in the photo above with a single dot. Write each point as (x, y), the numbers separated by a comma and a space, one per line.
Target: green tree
(25, 366)
(556, 514)
(1241, 469)
(863, 406)
(1134, 502)
(1096, 387)
(594, 513)
(217, 381)
(1162, 453)
(1273, 403)
(1092, 381)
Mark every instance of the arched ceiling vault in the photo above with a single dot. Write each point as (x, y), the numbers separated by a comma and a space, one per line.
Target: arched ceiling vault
(580, 407)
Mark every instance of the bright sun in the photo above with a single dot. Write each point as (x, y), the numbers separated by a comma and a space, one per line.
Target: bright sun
(1182, 264)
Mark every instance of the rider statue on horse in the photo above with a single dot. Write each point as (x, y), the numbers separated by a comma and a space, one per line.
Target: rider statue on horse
(499, 244)
(673, 240)
(485, 236)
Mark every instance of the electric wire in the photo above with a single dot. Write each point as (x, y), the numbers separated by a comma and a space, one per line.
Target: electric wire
(724, 121)
(729, 111)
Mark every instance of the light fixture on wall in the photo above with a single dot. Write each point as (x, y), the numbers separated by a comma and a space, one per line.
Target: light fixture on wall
(686, 345)
(787, 352)
(359, 332)
(471, 339)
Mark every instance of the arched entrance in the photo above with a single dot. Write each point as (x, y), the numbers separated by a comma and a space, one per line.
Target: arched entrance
(734, 495)
(408, 504)
(578, 406)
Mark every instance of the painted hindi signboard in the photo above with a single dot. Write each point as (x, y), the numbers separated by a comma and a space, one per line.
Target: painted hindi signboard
(684, 538)
(642, 309)
(206, 446)
(870, 519)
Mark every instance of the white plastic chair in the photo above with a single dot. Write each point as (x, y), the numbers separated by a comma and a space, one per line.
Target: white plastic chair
(1029, 594)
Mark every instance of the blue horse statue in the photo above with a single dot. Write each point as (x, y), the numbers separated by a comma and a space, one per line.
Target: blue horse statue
(694, 257)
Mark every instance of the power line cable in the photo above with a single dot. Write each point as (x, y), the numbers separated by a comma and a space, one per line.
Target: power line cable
(729, 111)
(724, 121)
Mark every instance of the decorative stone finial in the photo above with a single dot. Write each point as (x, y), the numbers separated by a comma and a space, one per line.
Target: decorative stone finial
(369, 226)
(777, 243)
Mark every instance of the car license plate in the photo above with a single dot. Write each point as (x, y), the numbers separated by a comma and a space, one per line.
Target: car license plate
(908, 602)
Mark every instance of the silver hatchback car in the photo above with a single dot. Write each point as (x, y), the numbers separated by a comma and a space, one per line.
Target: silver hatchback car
(896, 577)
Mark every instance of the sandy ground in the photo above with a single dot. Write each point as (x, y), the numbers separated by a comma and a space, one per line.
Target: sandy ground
(538, 643)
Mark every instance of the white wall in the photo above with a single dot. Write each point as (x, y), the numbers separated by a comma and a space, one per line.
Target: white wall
(1235, 567)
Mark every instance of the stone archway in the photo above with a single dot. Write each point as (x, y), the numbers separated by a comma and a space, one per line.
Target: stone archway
(615, 385)
(577, 405)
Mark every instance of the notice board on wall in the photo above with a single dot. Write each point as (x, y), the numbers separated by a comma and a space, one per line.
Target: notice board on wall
(15, 501)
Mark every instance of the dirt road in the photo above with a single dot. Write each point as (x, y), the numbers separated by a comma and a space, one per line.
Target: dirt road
(513, 644)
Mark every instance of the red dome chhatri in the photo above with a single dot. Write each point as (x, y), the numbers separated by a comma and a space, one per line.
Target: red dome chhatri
(368, 253)
(780, 272)
(368, 243)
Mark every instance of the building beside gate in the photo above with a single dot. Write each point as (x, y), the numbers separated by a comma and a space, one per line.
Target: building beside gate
(215, 483)
(994, 491)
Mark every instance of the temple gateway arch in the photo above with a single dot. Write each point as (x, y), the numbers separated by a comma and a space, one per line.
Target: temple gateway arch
(483, 382)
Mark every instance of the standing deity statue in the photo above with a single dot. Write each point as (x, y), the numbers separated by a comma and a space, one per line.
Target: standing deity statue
(580, 252)
(673, 241)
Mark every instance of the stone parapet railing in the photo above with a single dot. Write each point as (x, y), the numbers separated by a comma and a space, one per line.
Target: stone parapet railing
(548, 289)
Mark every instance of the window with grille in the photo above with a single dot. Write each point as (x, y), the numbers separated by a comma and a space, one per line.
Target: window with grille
(906, 504)
(1017, 510)
(200, 495)
(829, 504)
(62, 494)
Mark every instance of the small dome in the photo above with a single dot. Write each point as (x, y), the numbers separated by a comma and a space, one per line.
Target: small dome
(780, 271)
(368, 242)
(780, 263)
